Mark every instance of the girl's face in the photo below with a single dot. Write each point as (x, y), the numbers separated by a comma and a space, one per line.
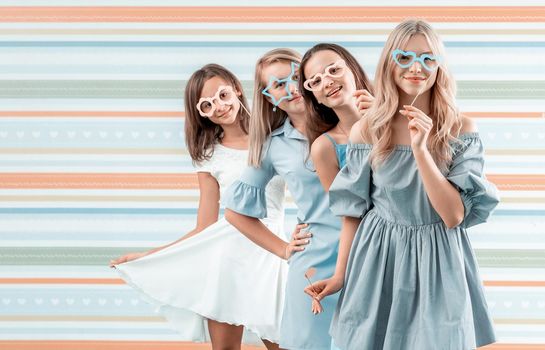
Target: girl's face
(281, 70)
(330, 80)
(220, 101)
(415, 78)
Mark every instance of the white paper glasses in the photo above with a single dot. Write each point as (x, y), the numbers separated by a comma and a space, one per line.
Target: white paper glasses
(224, 96)
(336, 70)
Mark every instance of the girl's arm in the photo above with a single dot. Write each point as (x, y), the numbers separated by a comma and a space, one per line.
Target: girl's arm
(350, 224)
(207, 215)
(444, 197)
(258, 233)
(209, 207)
(332, 285)
(325, 161)
(348, 230)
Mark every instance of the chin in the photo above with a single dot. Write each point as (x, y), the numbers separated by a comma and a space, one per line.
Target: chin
(229, 121)
(297, 108)
(300, 108)
(412, 90)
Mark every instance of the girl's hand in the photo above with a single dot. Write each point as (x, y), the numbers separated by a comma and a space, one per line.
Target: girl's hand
(364, 100)
(126, 258)
(419, 126)
(298, 240)
(321, 289)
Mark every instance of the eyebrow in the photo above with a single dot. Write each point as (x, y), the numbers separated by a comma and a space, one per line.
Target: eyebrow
(332, 63)
(282, 78)
(421, 53)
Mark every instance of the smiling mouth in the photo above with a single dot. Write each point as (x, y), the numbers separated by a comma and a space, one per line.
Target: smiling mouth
(415, 79)
(295, 98)
(227, 112)
(334, 91)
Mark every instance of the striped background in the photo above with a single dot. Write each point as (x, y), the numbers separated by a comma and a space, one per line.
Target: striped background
(93, 163)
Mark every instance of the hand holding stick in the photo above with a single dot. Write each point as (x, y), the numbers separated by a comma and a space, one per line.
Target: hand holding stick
(316, 306)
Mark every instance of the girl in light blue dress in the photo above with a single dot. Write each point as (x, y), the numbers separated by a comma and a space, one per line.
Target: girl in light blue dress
(337, 92)
(278, 147)
(412, 184)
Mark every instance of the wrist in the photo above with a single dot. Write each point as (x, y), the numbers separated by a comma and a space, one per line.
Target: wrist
(419, 150)
(285, 252)
(338, 277)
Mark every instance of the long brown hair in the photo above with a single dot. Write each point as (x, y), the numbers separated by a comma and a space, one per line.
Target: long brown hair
(320, 117)
(200, 133)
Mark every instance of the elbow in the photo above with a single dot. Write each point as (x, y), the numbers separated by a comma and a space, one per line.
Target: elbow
(234, 218)
(454, 220)
(230, 216)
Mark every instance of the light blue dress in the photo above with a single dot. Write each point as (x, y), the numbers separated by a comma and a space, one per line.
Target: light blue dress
(411, 283)
(285, 154)
(340, 150)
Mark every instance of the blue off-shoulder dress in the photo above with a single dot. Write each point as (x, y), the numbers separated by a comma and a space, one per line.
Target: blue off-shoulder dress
(411, 283)
(285, 154)
(340, 150)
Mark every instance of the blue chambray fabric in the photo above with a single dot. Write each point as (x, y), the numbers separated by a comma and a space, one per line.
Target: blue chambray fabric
(411, 283)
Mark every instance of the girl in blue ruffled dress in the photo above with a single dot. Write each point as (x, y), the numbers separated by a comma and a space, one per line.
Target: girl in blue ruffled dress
(413, 183)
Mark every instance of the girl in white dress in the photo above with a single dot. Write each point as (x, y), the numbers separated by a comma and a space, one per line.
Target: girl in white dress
(214, 284)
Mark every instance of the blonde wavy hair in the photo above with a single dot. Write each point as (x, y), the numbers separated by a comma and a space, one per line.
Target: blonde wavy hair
(376, 124)
(264, 120)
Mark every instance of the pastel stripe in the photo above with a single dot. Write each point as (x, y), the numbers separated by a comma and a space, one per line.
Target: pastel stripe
(102, 255)
(187, 181)
(175, 89)
(146, 345)
(242, 32)
(181, 114)
(271, 14)
(253, 44)
(117, 281)
(108, 345)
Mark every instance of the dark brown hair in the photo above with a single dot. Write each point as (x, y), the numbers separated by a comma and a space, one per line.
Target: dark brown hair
(320, 117)
(200, 133)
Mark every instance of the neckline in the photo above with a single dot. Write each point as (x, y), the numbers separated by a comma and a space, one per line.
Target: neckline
(408, 148)
(231, 148)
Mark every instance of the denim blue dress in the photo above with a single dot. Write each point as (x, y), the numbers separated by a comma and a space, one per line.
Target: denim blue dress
(340, 150)
(285, 154)
(411, 283)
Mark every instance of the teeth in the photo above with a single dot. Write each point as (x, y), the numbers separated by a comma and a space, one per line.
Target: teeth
(334, 91)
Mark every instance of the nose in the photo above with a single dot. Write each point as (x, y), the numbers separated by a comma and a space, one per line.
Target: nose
(415, 67)
(220, 107)
(293, 87)
(327, 81)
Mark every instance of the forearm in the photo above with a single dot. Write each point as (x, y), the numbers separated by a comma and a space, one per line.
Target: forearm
(444, 197)
(348, 231)
(186, 236)
(257, 232)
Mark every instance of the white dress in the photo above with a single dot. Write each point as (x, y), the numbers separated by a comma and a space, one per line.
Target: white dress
(218, 274)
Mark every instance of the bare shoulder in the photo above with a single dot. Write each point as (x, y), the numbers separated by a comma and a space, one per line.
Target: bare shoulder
(356, 134)
(468, 125)
(321, 147)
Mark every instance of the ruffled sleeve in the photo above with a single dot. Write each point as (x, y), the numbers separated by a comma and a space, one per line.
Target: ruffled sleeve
(479, 196)
(247, 195)
(350, 192)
